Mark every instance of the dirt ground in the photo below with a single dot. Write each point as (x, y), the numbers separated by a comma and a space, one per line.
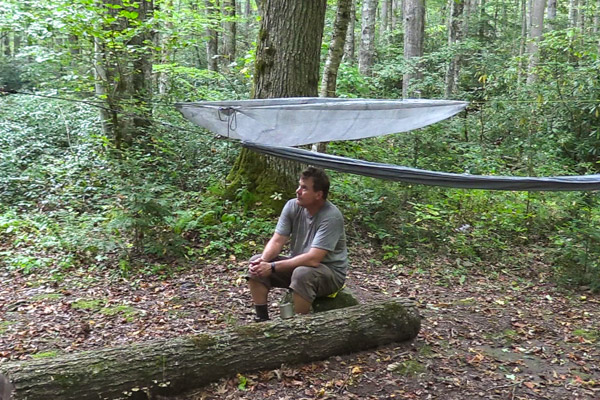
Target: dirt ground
(488, 331)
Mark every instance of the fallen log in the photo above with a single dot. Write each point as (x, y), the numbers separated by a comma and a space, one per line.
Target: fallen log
(168, 367)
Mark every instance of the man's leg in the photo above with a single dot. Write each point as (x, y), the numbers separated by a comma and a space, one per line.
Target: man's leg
(259, 291)
(301, 305)
(259, 294)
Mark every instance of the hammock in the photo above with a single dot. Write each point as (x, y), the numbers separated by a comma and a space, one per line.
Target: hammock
(271, 126)
(303, 120)
(419, 176)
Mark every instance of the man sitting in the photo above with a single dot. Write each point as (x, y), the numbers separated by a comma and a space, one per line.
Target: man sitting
(318, 262)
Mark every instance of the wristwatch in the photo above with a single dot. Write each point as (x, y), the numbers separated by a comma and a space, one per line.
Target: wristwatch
(273, 267)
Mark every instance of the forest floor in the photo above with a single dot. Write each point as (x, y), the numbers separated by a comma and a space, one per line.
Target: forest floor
(492, 332)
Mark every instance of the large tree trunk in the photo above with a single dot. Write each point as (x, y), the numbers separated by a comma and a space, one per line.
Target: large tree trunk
(287, 65)
(414, 32)
(366, 51)
(535, 34)
(177, 365)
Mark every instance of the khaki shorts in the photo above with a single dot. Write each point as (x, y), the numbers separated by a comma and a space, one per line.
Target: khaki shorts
(308, 282)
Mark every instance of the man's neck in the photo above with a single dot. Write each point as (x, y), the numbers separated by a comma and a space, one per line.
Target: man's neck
(312, 210)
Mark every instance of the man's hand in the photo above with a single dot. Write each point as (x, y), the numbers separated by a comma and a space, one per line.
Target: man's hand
(260, 268)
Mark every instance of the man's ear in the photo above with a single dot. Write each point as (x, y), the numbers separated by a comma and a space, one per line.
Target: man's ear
(320, 194)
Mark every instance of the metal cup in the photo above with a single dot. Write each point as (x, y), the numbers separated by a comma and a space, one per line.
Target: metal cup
(286, 310)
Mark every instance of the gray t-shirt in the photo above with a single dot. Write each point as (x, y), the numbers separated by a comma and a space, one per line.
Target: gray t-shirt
(324, 230)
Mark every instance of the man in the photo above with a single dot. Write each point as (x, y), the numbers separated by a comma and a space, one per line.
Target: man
(319, 259)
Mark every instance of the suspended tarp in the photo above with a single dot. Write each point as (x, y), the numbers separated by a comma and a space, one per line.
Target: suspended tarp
(304, 120)
(424, 177)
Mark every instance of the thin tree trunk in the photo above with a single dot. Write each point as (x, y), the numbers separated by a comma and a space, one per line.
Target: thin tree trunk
(414, 31)
(230, 31)
(573, 4)
(366, 52)
(523, 38)
(164, 41)
(396, 14)
(212, 42)
(535, 35)
(124, 77)
(6, 44)
(384, 24)
(551, 14)
(454, 35)
(350, 44)
(336, 49)
(581, 13)
(334, 57)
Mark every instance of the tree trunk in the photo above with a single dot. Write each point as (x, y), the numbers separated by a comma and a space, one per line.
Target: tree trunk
(581, 12)
(164, 44)
(350, 44)
(384, 20)
(454, 36)
(334, 57)
(366, 51)
(6, 44)
(123, 76)
(173, 366)
(551, 14)
(287, 65)
(396, 14)
(535, 35)
(229, 31)
(336, 49)
(414, 32)
(212, 42)
(573, 13)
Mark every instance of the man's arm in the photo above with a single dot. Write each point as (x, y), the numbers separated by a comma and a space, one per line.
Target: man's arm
(273, 247)
(310, 259)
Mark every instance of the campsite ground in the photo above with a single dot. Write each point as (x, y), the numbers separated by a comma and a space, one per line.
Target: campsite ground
(495, 332)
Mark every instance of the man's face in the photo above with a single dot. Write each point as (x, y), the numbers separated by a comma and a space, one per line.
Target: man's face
(305, 194)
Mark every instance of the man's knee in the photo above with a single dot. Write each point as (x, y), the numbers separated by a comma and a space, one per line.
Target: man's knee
(302, 274)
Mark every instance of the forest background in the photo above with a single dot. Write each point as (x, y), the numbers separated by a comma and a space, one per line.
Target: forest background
(98, 172)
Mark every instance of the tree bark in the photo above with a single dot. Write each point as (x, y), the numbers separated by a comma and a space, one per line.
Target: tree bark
(168, 367)
(336, 49)
(366, 52)
(551, 13)
(454, 36)
(350, 43)
(414, 32)
(123, 76)
(573, 4)
(535, 34)
(287, 65)
(229, 31)
(212, 42)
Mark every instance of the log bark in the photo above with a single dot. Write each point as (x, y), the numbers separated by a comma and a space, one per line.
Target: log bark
(168, 367)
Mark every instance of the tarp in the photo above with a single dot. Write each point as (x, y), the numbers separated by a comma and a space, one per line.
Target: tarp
(424, 177)
(303, 120)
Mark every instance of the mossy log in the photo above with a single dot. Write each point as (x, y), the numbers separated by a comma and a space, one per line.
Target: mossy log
(168, 367)
(343, 299)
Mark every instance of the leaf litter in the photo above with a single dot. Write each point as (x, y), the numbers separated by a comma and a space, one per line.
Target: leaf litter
(494, 333)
